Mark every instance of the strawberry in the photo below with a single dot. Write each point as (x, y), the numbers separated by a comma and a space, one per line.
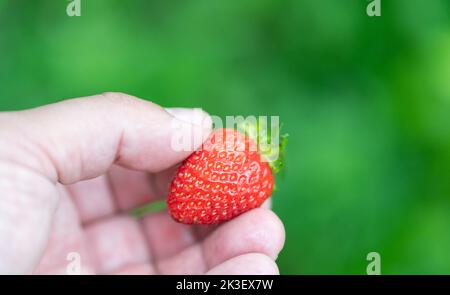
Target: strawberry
(226, 177)
(223, 179)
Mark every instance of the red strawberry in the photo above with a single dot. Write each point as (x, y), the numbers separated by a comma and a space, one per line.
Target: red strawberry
(220, 181)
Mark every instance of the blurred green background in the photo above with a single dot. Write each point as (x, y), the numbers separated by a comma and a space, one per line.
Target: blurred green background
(366, 102)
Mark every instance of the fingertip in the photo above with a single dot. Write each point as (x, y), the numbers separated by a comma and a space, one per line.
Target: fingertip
(258, 230)
(265, 229)
(267, 204)
(164, 140)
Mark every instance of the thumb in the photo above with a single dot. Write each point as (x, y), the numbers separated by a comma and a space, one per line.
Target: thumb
(80, 138)
(74, 140)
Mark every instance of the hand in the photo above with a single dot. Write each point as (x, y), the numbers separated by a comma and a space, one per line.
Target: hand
(69, 173)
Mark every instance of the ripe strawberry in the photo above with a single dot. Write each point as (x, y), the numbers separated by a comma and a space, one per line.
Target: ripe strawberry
(223, 179)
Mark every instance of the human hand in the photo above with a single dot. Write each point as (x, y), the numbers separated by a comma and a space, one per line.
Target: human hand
(69, 173)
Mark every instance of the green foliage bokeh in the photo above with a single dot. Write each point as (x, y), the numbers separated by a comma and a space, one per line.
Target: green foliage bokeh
(366, 102)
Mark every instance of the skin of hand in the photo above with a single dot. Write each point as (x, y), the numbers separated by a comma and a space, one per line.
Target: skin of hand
(71, 171)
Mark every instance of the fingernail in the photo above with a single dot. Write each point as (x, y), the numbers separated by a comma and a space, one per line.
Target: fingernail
(195, 116)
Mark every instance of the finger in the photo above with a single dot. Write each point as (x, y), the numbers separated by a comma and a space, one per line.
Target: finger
(66, 237)
(137, 269)
(204, 231)
(187, 262)
(121, 190)
(246, 264)
(267, 204)
(161, 182)
(257, 230)
(134, 188)
(80, 138)
(93, 199)
(115, 243)
(165, 236)
(27, 204)
(130, 187)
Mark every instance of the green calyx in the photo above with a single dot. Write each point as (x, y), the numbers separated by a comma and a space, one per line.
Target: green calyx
(271, 144)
